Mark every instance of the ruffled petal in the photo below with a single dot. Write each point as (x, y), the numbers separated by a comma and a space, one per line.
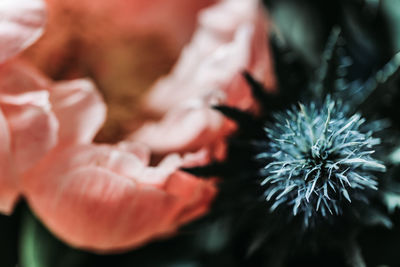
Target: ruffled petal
(80, 110)
(109, 207)
(139, 150)
(33, 127)
(231, 37)
(19, 76)
(8, 183)
(123, 45)
(196, 192)
(184, 128)
(24, 99)
(21, 23)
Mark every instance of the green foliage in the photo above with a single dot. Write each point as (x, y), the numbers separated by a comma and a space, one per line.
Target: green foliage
(38, 248)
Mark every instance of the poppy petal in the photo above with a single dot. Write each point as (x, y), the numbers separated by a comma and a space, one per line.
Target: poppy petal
(79, 108)
(21, 23)
(183, 129)
(109, 208)
(33, 126)
(8, 183)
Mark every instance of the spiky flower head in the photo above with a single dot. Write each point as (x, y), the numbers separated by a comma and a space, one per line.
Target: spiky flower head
(317, 158)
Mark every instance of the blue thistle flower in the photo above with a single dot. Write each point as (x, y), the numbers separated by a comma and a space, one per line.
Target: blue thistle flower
(317, 158)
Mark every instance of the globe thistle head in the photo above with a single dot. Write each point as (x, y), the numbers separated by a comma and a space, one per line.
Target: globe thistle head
(317, 158)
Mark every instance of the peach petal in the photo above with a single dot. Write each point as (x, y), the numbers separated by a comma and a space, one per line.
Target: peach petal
(21, 23)
(159, 174)
(184, 128)
(140, 150)
(18, 77)
(8, 182)
(221, 48)
(28, 129)
(198, 158)
(105, 210)
(196, 192)
(108, 210)
(80, 110)
(108, 157)
(231, 38)
(32, 125)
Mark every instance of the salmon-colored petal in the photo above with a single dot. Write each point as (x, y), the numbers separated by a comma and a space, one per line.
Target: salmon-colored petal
(8, 183)
(198, 158)
(80, 110)
(197, 193)
(97, 209)
(111, 158)
(96, 205)
(28, 129)
(231, 38)
(21, 23)
(33, 127)
(158, 175)
(183, 128)
(19, 76)
(140, 150)
(221, 48)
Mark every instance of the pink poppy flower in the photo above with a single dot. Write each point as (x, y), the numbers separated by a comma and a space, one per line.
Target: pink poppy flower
(122, 45)
(81, 191)
(37, 115)
(231, 37)
(113, 199)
